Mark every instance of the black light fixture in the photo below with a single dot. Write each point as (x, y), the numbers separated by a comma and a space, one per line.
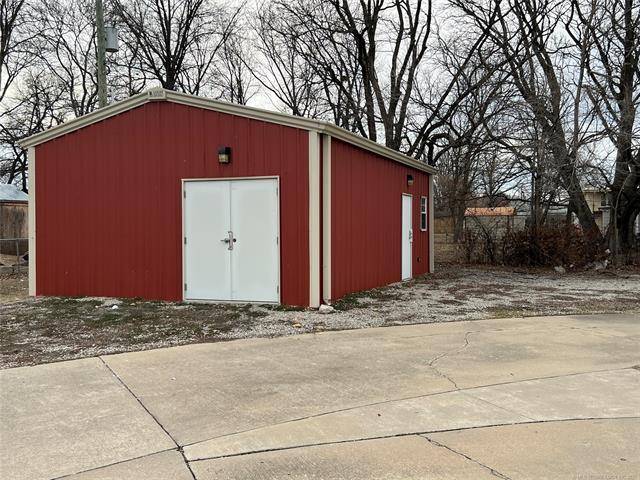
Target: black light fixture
(409, 180)
(224, 155)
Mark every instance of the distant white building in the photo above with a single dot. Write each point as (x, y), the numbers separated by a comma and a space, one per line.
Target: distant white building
(600, 204)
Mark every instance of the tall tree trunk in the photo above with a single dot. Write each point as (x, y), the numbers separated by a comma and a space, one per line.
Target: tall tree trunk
(626, 180)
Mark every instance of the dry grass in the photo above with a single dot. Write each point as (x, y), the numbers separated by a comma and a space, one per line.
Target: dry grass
(52, 329)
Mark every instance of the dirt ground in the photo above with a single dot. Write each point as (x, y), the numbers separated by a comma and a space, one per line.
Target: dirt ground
(13, 287)
(42, 330)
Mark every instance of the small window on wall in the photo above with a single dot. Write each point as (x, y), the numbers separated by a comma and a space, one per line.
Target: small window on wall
(423, 213)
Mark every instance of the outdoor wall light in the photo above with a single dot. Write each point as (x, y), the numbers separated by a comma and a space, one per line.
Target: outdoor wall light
(409, 180)
(224, 155)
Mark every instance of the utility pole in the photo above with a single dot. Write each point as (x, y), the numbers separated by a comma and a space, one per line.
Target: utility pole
(101, 55)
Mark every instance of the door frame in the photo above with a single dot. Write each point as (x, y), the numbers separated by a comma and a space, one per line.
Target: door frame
(184, 181)
(403, 279)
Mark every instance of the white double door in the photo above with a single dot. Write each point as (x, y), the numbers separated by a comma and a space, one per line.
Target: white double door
(231, 244)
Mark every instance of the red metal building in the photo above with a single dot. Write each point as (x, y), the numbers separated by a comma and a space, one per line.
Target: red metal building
(175, 197)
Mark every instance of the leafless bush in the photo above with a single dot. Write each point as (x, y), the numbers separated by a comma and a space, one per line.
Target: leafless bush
(554, 245)
(544, 246)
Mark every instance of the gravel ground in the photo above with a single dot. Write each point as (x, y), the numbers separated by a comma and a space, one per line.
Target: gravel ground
(34, 331)
(13, 287)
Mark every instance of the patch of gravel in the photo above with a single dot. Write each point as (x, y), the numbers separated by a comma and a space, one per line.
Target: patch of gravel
(466, 294)
(52, 329)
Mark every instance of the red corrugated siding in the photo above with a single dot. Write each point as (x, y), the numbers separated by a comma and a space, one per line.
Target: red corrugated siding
(366, 191)
(109, 211)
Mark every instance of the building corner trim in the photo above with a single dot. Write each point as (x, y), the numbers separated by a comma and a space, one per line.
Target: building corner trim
(326, 219)
(314, 219)
(431, 226)
(31, 162)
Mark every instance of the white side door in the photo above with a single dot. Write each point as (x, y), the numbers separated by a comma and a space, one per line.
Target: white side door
(407, 236)
(255, 258)
(207, 218)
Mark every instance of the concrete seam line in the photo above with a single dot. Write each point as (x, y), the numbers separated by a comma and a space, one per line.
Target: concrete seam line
(67, 475)
(467, 394)
(489, 330)
(305, 445)
(493, 471)
(186, 462)
(144, 407)
(462, 390)
(593, 331)
(408, 434)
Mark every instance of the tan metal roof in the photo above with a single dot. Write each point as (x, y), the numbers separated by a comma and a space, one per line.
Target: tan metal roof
(490, 212)
(11, 193)
(163, 95)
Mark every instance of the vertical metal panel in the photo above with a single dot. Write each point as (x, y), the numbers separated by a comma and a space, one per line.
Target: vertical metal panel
(109, 198)
(366, 191)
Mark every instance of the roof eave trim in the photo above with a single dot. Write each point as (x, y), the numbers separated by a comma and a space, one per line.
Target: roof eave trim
(320, 126)
(91, 118)
(370, 145)
(160, 94)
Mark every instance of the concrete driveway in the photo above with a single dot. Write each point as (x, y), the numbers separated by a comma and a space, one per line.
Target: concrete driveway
(546, 397)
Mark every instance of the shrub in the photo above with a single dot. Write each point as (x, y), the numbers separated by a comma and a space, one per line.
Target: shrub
(551, 246)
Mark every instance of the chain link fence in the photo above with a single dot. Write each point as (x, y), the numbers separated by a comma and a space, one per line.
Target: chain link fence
(14, 254)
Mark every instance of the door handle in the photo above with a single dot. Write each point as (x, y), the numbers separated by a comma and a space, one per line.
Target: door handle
(229, 240)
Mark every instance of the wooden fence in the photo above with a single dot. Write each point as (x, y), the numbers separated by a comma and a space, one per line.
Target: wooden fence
(14, 224)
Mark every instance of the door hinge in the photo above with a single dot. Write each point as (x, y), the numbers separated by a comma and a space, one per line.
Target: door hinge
(276, 191)
(185, 286)
(184, 194)
(185, 240)
(277, 240)
(278, 289)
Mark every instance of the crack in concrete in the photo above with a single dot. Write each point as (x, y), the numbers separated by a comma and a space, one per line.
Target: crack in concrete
(179, 448)
(432, 363)
(493, 471)
(415, 397)
(408, 434)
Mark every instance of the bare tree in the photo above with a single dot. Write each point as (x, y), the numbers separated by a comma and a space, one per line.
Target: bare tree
(125, 76)
(609, 30)
(15, 52)
(369, 58)
(381, 43)
(234, 80)
(37, 107)
(283, 69)
(468, 159)
(177, 41)
(526, 35)
(67, 49)
(311, 36)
